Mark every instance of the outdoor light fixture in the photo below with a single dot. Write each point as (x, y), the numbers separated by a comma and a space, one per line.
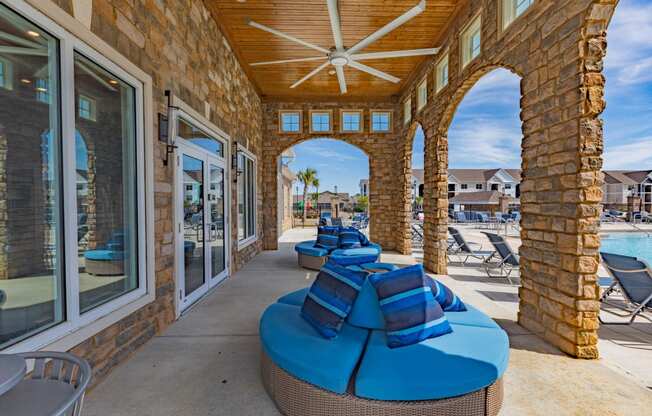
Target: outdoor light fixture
(234, 162)
(33, 34)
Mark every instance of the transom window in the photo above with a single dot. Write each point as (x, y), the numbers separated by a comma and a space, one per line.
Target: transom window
(290, 121)
(320, 121)
(512, 9)
(407, 111)
(246, 197)
(87, 106)
(351, 121)
(441, 73)
(422, 94)
(188, 131)
(381, 121)
(88, 197)
(472, 41)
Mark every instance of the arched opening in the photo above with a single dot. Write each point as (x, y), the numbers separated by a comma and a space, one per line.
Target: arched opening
(626, 219)
(416, 191)
(325, 181)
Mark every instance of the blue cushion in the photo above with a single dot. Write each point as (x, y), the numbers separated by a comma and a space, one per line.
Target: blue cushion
(328, 237)
(331, 298)
(467, 360)
(410, 310)
(295, 298)
(471, 317)
(446, 298)
(293, 345)
(349, 238)
(104, 255)
(366, 309)
(349, 256)
(308, 248)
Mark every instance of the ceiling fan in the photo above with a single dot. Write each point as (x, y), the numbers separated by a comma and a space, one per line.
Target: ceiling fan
(340, 56)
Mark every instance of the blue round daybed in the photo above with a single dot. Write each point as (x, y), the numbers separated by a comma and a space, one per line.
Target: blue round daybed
(356, 373)
(312, 257)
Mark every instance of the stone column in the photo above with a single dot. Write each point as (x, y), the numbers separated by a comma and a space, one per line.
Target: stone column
(435, 202)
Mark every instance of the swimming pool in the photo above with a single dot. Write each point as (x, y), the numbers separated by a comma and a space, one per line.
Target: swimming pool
(628, 244)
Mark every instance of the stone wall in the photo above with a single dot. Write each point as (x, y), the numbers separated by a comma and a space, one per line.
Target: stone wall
(557, 48)
(379, 148)
(179, 44)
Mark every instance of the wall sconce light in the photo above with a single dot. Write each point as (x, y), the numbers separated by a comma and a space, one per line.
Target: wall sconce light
(235, 168)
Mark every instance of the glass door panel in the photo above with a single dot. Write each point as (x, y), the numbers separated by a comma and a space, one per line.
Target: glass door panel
(216, 238)
(193, 223)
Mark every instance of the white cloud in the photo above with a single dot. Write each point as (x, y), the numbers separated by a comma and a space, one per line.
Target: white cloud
(485, 143)
(634, 155)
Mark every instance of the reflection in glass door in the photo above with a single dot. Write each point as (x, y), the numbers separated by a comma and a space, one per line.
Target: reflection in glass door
(193, 223)
(216, 225)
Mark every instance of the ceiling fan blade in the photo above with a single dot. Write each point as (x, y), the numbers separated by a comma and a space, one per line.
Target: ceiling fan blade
(336, 27)
(312, 73)
(416, 10)
(395, 54)
(288, 37)
(373, 71)
(341, 79)
(287, 61)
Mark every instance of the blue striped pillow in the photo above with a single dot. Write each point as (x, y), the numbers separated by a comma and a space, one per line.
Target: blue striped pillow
(349, 238)
(448, 300)
(331, 298)
(411, 312)
(328, 237)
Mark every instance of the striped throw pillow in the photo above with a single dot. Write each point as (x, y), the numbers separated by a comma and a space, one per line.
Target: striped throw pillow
(349, 238)
(411, 312)
(331, 298)
(328, 237)
(448, 300)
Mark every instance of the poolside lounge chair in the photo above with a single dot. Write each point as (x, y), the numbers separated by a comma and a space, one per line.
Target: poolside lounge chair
(459, 247)
(508, 260)
(460, 216)
(633, 277)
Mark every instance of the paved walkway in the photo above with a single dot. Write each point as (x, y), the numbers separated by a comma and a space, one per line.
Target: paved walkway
(207, 363)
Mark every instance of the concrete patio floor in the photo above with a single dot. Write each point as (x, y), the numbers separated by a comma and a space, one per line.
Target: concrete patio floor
(207, 363)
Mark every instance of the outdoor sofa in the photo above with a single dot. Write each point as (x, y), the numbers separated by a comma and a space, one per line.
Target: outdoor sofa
(313, 256)
(356, 373)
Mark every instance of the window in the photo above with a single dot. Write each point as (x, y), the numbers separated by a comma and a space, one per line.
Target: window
(471, 41)
(320, 121)
(42, 91)
(508, 186)
(188, 131)
(441, 73)
(464, 186)
(381, 121)
(89, 194)
(478, 186)
(246, 198)
(6, 74)
(512, 9)
(87, 108)
(351, 121)
(290, 121)
(407, 111)
(422, 94)
(494, 186)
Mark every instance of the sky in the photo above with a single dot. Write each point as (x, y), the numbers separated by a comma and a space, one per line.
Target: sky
(486, 129)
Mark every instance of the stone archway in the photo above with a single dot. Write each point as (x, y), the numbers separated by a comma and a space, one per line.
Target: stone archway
(558, 53)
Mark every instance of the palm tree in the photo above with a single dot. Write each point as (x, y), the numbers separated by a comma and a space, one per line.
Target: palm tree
(307, 178)
(315, 183)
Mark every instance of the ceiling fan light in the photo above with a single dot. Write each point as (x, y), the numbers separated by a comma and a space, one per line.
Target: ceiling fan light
(339, 60)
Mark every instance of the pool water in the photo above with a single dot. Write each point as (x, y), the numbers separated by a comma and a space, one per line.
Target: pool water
(628, 244)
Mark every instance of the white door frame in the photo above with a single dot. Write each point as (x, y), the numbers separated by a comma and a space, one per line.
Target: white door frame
(208, 158)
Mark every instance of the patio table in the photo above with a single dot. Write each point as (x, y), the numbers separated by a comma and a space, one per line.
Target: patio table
(12, 371)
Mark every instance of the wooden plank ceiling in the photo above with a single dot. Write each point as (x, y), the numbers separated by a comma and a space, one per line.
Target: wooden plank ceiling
(308, 20)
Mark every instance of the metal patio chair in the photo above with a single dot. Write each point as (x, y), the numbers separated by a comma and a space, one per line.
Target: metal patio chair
(55, 387)
(632, 277)
(508, 259)
(461, 248)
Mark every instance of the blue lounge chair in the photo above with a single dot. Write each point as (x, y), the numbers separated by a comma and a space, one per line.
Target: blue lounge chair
(460, 216)
(508, 259)
(633, 278)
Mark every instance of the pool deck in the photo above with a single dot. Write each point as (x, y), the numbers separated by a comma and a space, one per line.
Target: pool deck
(208, 362)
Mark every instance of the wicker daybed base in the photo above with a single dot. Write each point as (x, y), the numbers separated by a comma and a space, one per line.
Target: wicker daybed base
(312, 262)
(294, 397)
